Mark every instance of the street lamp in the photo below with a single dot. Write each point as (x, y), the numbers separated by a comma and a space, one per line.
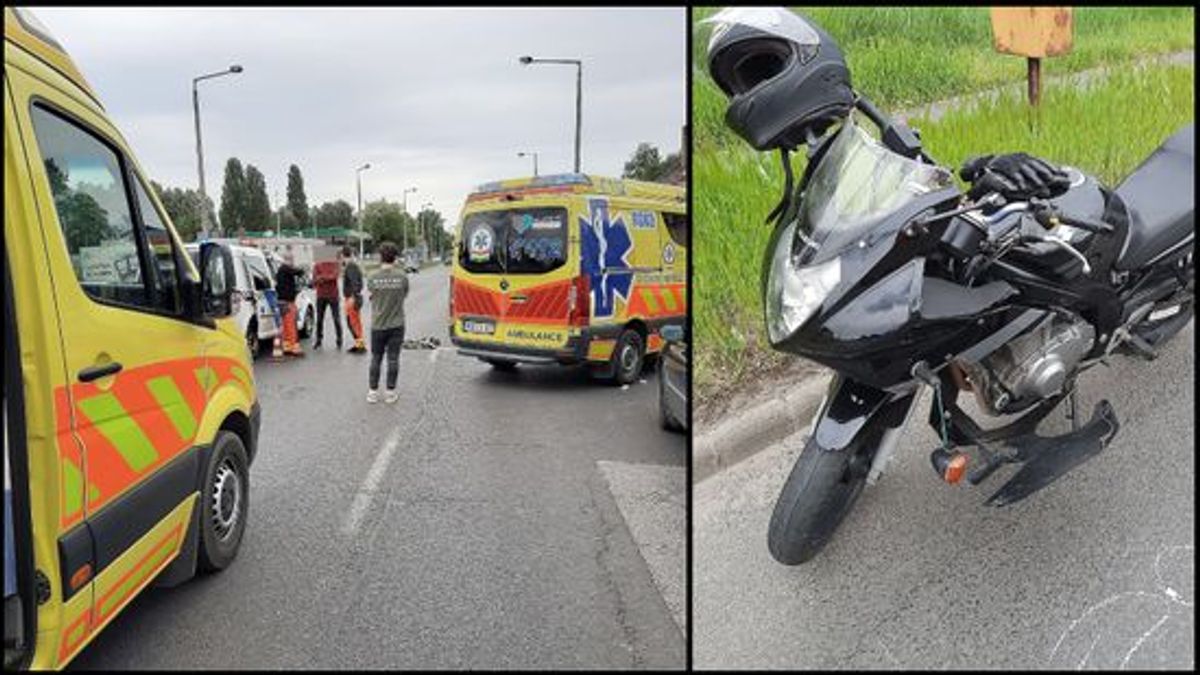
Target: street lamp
(199, 144)
(527, 154)
(358, 181)
(527, 60)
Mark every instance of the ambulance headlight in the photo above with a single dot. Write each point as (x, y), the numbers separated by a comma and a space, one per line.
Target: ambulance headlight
(794, 293)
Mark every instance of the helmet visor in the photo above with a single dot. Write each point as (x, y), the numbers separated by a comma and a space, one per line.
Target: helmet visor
(777, 21)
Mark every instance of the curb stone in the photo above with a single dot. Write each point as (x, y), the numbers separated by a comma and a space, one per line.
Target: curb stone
(757, 428)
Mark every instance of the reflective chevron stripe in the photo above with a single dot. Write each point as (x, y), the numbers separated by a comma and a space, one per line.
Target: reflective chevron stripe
(143, 418)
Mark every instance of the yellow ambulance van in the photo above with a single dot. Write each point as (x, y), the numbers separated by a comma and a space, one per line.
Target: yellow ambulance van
(130, 412)
(569, 268)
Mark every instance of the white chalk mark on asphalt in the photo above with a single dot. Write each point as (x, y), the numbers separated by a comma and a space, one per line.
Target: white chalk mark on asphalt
(362, 500)
(888, 652)
(1137, 645)
(1098, 606)
(1079, 666)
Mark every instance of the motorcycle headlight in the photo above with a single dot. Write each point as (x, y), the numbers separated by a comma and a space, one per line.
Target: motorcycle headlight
(794, 293)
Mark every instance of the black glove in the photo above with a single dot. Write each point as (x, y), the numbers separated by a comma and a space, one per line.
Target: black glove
(1015, 176)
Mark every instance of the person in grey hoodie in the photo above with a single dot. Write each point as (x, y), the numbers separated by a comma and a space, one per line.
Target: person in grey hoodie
(388, 287)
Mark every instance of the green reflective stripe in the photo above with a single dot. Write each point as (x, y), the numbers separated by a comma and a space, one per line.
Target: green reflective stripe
(207, 378)
(75, 634)
(651, 303)
(72, 486)
(93, 492)
(118, 428)
(122, 591)
(172, 402)
(669, 299)
(242, 377)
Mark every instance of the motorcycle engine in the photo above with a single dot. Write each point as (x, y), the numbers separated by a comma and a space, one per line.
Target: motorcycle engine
(1031, 367)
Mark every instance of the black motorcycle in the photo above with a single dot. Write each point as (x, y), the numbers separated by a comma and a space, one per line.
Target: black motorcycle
(880, 268)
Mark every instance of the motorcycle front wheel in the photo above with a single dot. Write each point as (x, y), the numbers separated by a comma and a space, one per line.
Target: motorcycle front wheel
(818, 494)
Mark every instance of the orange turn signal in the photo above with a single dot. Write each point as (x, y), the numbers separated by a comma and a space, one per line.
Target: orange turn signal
(955, 468)
(81, 577)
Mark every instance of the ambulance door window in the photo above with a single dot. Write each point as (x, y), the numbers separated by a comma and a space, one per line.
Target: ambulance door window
(92, 202)
(164, 286)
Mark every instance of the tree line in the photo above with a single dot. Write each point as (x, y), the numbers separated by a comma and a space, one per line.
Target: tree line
(245, 206)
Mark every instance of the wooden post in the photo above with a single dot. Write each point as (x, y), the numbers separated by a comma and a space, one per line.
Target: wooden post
(1035, 33)
(1035, 80)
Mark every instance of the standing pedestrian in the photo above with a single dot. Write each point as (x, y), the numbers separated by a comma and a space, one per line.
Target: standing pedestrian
(388, 287)
(287, 284)
(352, 287)
(325, 278)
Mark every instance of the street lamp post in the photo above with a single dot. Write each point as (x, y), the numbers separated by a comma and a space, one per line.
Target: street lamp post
(527, 60)
(200, 145)
(404, 230)
(358, 182)
(534, 154)
(426, 231)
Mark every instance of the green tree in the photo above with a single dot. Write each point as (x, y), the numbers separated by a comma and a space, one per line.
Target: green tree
(431, 223)
(385, 221)
(297, 203)
(337, 214)
(647, 164)
(258, 214)
(183, 208)
(233, 198)
(84, 221)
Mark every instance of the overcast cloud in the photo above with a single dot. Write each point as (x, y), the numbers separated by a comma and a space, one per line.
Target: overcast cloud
(432, 98)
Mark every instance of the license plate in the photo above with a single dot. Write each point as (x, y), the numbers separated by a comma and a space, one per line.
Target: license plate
(479, 327)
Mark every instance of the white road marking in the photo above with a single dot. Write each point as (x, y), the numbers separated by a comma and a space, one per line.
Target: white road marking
(433, 354)
(1138, 644)
(371, 483)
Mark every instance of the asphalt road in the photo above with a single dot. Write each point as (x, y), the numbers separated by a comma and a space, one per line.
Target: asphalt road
(466, 526)
(1095, 571)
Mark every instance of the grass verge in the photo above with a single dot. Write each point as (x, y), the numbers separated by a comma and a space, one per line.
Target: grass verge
(901, 56)
(1105, 128)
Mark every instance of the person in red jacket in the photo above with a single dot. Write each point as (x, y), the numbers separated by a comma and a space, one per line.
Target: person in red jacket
(325, 278)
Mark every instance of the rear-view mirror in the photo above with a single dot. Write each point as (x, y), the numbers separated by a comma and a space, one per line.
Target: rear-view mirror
(216, 280)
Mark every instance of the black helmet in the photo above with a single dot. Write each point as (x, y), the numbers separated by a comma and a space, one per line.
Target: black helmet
(783, 75)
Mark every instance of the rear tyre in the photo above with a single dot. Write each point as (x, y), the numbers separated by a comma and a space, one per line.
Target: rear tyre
(818, 494)
(628, 357)
(306, 328)
(252, 341)
(503, 366)
(224, 503)
(665, 417)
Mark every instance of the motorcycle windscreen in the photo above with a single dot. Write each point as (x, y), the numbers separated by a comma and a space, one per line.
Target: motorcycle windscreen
(857, 184)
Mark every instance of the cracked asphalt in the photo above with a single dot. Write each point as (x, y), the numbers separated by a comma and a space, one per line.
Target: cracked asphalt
(490, 538)
(1096, 571)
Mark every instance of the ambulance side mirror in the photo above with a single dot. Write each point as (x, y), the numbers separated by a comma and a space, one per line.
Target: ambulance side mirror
(216, 281)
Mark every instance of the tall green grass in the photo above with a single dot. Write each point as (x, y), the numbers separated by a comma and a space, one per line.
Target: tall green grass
(903, 56)
(1105, 128)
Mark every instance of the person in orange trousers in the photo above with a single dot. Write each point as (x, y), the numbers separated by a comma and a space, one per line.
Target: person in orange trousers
(287, 283)
(352, 287)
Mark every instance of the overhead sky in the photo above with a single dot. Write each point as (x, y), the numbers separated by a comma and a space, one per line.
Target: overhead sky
(432, 98)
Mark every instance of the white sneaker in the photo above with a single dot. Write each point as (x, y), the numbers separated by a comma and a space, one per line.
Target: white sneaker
(372, 396)
(391, 396)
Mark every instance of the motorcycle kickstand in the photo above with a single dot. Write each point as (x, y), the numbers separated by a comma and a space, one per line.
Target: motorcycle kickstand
(1073, 409)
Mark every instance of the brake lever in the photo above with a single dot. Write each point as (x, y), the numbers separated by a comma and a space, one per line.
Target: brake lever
(1048, 217)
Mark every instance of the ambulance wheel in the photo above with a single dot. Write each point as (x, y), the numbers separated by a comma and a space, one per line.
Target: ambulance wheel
(224, 502)
(628, 357)
(503, 366)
